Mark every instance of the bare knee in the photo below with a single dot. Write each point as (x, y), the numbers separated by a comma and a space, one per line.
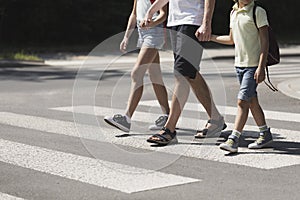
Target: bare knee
(243, 104)
(137, 75)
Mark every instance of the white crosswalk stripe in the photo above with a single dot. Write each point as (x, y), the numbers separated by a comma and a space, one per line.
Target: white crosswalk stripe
(4, 196)
(88, 170)
(229, 110)
(138, 141)
(204, 152)
(99, 172)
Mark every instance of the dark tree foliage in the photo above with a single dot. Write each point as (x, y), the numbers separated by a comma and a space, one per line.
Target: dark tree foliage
(69, 22)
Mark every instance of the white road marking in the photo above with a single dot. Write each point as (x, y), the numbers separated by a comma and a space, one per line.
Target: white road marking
(229, 110)
(4, 196)
(258, 159)
(101, 173)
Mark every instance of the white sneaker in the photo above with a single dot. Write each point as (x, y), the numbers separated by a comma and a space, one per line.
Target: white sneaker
(118, 121)
(159, 123)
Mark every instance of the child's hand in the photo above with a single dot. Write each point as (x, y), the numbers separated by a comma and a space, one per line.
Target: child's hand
(260, 75)
(146, 24)
(123, 45)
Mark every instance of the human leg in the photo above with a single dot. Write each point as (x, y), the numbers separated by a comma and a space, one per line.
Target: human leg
(265, 135)
(202, 92)
(257, 112)
(145, 58)
(179, 98)
(155, 76)
(246, 93)
(182, 70)
(123, 122)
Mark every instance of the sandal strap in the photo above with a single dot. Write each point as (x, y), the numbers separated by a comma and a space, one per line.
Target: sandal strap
(168, 132)
(161, 137)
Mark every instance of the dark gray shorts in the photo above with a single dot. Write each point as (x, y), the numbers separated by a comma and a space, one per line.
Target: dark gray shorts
(187, 50)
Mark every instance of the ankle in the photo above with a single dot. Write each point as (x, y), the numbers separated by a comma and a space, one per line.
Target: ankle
(236, 133)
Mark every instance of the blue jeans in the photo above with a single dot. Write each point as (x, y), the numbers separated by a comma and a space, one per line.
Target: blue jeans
(248, 84)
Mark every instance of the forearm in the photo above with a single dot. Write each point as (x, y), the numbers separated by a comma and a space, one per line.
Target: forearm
(156, 6)
(161, 17)
(130, 26)
(264, 41)
(209, 7)
(222, 39)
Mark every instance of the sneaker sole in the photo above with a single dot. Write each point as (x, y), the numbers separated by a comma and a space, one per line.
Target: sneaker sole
(118, 126)
(261, 146)
(226, 148)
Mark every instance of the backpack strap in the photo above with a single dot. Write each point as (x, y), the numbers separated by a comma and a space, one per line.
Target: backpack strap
(269, 84)
(254, 13)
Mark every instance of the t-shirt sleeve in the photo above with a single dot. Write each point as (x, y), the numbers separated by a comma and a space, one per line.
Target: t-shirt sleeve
(261, 17)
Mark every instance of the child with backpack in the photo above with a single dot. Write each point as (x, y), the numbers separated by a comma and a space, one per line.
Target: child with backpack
(251, 50)
(150, 41)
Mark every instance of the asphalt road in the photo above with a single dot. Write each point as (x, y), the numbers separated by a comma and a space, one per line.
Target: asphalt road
(49, 152)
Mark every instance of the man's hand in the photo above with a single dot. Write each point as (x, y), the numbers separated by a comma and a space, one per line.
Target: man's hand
(203, 33)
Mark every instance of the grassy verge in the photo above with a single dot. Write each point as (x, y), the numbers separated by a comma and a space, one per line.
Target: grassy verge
(19, 56)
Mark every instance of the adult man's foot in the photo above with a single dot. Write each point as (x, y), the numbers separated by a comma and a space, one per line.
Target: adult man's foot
(118, 121)
(164, 137)
(212, 127)
(265, 138)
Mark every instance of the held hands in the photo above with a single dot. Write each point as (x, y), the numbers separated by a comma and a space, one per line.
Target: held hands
(260, 75)
(146, 24)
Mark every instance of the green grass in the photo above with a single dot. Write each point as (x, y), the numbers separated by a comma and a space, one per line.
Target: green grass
(21, 55)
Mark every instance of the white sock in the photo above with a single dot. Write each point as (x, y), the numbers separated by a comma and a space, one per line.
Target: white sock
(236, 133)
(263, 128)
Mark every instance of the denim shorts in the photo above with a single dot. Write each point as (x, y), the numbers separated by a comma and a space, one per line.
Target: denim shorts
(152, 38)
(248, 84)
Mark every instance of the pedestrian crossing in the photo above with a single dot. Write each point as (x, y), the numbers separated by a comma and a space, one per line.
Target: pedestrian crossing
(139, 176)
(87, 170)
(4, 196)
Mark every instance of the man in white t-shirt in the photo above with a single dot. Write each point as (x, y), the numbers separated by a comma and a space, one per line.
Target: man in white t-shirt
(190, 24)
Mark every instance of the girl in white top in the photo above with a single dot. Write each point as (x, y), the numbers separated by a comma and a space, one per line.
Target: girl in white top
(150, 40)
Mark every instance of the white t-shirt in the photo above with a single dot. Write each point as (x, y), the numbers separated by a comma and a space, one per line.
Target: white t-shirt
(189, 12)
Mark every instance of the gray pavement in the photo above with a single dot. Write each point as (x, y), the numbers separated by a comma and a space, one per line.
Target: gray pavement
(44, 155)
(290, 87)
